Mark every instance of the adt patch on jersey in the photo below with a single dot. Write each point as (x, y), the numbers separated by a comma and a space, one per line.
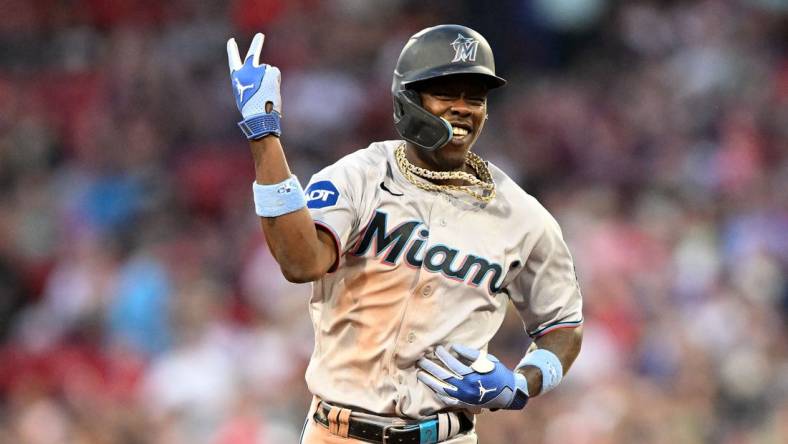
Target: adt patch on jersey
(321, 194)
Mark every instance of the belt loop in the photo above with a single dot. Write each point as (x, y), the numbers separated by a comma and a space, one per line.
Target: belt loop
(443, 426)
(454, 424)
(333, 425)
(344, 422)
(338, 421)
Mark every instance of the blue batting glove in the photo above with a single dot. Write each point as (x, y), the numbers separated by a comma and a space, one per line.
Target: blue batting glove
(486, 383)
(256, 88)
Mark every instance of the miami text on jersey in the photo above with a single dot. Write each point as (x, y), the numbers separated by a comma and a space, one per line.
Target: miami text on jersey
(410, 238)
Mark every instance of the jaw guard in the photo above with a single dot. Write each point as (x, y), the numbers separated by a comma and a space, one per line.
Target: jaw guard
(417, 125)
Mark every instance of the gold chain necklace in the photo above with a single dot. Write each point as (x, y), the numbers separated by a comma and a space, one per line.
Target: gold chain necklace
(414, 174)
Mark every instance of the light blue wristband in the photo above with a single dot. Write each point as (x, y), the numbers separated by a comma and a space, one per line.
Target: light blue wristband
(278, 199)
(548, 363)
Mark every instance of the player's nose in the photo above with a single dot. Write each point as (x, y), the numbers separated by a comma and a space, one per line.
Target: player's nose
(460, 106)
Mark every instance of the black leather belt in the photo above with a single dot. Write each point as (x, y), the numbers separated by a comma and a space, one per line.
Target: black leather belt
(391, 434)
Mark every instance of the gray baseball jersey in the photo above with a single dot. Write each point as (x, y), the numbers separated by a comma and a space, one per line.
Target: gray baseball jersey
(417, 269)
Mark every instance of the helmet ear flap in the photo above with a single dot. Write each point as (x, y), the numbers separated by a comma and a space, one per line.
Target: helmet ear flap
(417, 125)
(400, 99)
(413, 95)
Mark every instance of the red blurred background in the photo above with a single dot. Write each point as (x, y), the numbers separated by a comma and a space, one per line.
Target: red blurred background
(139, 304)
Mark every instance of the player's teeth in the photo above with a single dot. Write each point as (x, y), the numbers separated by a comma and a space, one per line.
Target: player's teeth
(457, 131)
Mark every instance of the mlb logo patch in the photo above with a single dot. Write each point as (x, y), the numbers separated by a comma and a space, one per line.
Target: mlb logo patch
(321, 194)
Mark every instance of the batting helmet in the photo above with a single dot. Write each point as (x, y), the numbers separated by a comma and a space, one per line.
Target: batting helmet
(436, 52)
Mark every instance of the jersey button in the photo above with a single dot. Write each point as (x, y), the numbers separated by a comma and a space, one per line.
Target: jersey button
(411, 337)
(426, 291)
(443, 222)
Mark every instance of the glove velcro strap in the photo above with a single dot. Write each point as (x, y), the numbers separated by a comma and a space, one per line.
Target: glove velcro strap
(261, 125)
(520, 395)
(519, 401)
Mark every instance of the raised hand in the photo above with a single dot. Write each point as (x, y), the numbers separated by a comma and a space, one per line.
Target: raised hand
(256, 88)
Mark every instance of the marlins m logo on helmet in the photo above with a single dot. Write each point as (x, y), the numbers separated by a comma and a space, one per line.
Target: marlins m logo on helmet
(464, 49)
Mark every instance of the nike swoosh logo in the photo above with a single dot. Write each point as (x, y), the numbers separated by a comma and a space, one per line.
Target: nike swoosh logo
(386, 189)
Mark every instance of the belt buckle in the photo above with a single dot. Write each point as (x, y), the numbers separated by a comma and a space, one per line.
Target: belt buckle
(385, 433)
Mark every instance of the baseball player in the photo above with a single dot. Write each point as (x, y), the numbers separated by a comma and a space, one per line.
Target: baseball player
(414, 248)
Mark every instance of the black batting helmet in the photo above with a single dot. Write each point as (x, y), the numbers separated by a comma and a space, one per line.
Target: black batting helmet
(439, 51)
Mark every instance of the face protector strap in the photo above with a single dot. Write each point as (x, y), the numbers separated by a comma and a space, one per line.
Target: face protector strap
(417, 125)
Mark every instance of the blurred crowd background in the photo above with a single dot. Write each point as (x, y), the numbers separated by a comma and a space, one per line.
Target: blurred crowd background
(139, 303)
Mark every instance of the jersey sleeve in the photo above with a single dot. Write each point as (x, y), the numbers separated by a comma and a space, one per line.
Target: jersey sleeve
(333, 196)
(546, 291)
